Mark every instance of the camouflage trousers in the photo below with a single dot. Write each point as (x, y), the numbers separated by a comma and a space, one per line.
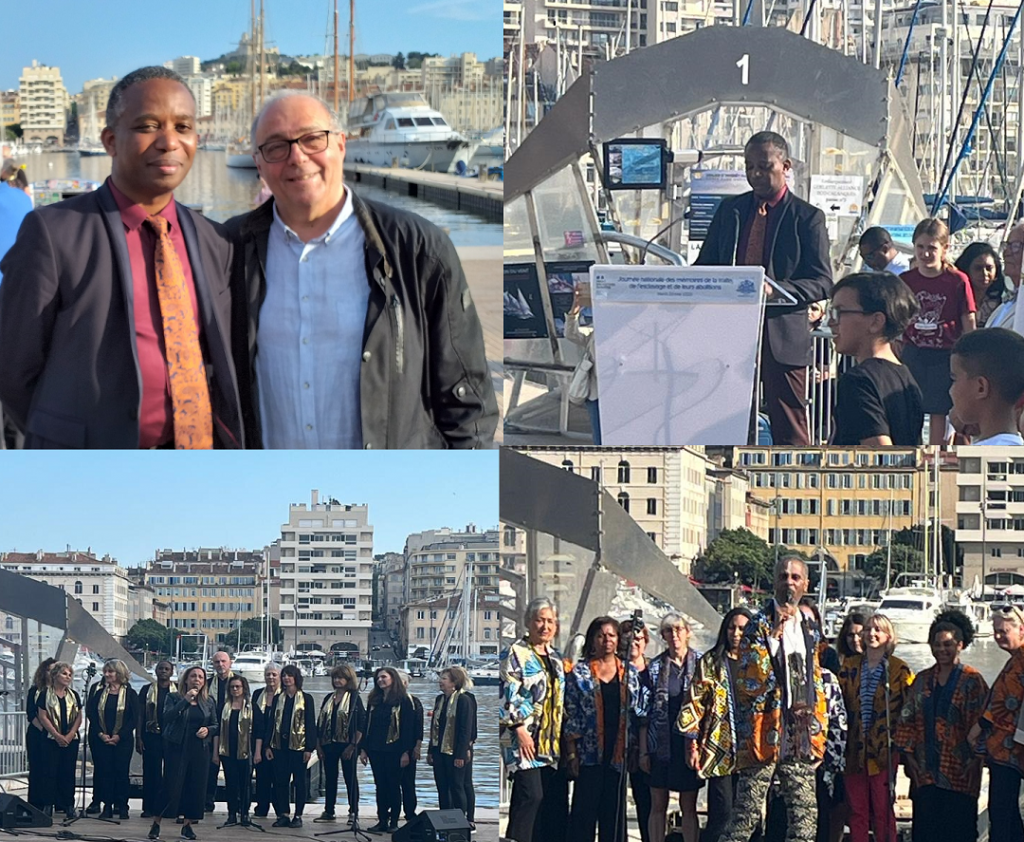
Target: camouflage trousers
(797, 782)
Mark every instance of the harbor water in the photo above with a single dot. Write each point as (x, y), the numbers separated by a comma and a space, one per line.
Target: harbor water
(223, 192)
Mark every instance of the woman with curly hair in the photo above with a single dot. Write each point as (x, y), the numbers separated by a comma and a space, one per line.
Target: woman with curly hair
(946, 700)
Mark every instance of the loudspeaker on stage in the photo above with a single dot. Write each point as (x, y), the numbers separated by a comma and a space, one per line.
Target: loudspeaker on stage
(435, 826)
(17, 812)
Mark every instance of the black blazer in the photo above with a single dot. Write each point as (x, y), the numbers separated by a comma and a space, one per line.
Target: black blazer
(465, 725)
(176, 718)
(424, 380)
(70, 374)
(355, 721)
(799, 263)
(271, 720)
(378, 717)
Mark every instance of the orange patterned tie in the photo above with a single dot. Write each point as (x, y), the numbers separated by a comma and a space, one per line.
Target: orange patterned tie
(755, 242)
(190, 398)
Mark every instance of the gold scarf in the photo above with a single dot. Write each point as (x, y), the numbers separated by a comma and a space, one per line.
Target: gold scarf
(297, 736)
(340, 734)
(244, 730)
(266, 698)
(448, 742)
(394, 725)
(152, 714)
(122, 701)
(215, 687)
(53, 708)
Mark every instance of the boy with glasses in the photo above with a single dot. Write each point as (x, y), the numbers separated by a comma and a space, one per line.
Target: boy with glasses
(878, 403)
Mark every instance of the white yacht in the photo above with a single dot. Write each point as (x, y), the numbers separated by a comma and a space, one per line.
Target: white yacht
(251, 665)
(401, 127)
(912, 611)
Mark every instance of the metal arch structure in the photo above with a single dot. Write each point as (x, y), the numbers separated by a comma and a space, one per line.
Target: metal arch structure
(33, 600)
(537, 496)
(683, 76)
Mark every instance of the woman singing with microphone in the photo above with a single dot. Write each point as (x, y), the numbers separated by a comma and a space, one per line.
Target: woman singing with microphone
(190, 724)
(61, 715)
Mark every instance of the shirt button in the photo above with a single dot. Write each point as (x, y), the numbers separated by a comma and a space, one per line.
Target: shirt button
(309, 426)
(367, 446)
(366, 356)
(305, 385)
(461, 391)
(305, 340)
(305, 258)
(305, 298)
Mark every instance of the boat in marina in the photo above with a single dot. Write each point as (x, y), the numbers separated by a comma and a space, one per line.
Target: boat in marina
(912, 610)
(252, 664)
(386, 129)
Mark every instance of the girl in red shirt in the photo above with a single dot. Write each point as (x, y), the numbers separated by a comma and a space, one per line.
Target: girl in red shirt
(946, 312)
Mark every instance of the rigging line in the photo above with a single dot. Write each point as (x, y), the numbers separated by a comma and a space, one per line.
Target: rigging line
(976, 51)
(906, 45)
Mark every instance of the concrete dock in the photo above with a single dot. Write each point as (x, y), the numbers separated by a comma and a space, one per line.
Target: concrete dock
(483, 198)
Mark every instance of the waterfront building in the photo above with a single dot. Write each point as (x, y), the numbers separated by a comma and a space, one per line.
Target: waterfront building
(44, 104)
(101, 585)
(990, 515)
(438, 626)
(326, 574)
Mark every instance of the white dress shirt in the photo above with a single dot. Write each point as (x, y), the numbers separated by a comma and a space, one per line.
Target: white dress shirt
(792, 642)
(899, 264)
(310, 337)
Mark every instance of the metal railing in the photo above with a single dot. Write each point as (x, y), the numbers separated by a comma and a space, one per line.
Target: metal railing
(13, 756)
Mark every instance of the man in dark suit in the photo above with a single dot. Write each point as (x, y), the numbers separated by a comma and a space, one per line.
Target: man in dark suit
(115, 306)
(772, 228)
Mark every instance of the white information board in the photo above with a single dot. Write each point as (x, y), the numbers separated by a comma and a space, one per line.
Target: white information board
(676, 352)
(837, 195)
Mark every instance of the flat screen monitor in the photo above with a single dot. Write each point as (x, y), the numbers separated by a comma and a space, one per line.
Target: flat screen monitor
(632, 163)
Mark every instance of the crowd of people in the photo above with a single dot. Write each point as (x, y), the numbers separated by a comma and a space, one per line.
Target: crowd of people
(186, 732)
(795, 739)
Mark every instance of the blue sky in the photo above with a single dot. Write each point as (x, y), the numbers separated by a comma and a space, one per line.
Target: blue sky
(130, 504)
(88, 39)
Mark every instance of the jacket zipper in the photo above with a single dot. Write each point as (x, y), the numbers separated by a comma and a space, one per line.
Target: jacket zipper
(396, 310)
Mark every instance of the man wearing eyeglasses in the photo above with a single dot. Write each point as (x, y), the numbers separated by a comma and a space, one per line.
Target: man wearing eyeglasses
(878, 252)
(354, 326)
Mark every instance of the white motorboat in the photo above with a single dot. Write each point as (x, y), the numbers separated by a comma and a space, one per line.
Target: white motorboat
(402, 128)
(485, 676)
(251, 665)
(239, 156)
(912, 610)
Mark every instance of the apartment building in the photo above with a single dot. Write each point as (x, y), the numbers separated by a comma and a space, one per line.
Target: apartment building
(327, 575)
(439, 626)
(437, 560)
(44, 104)
(990, 514)
(101, 585)
(210, 590)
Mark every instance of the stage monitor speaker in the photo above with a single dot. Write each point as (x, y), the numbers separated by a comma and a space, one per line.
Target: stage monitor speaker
(435, 826)
(16, 812)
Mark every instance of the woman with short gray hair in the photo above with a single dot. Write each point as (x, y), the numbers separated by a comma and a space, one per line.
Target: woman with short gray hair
(533, 698)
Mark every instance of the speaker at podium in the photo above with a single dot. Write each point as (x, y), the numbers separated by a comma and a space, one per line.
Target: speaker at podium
(435, 826)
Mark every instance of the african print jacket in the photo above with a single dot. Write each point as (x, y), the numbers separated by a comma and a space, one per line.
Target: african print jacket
(656, 709)
(944, 756)
(870, 752)
(761, 696)
(834, 762)
(584, 719)
(1002, 713)
(708, 714)
(528, 700)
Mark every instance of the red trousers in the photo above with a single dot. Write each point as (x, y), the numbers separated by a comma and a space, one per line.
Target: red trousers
(867, 798)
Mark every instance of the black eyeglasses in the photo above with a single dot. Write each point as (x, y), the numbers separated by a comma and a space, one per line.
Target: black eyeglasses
(836, 313)
(275, 151)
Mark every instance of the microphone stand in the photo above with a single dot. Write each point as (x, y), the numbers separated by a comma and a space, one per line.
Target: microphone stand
(354, 828)
(80, 812)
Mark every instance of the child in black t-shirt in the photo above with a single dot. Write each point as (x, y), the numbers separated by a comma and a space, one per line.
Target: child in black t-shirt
(877, 402)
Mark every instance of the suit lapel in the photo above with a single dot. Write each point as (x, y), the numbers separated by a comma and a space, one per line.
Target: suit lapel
(119, 244)
(785, 209)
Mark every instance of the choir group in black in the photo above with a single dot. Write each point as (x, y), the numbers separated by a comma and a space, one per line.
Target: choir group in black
(185, 732)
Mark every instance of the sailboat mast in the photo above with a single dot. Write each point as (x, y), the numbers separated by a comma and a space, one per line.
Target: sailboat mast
(252, 64)
(335, 56)
(351, 51)
(263, 70)
(466, 611)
